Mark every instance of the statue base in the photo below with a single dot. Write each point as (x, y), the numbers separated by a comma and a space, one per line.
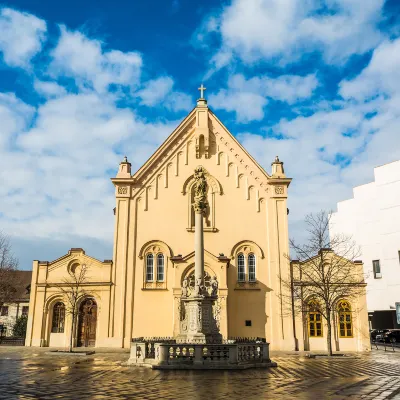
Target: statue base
(198, 324)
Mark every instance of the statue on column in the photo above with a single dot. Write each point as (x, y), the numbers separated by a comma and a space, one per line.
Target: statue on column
(185, 288)
(200, 190)
(214, 286)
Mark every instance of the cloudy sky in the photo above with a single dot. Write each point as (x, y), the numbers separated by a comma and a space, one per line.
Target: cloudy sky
(316, 82)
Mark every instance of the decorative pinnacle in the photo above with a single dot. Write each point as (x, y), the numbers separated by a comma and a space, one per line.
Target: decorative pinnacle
(202, 89)
(277, 159)
(125, 159)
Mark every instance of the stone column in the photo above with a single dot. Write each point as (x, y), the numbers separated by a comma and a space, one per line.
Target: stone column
(200, 204)
(199, 250)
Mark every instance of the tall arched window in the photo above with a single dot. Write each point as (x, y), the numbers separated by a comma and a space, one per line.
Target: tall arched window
(160, 267)
(241, 268)
(314, 319)
(345, 319)
(251, 262)
(149, 268)
(58, 321)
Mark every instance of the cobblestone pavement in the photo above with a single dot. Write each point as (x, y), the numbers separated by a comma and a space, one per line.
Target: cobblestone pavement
(27, 373)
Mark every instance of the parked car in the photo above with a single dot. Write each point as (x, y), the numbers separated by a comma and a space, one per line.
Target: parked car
(378, 334)
(392, 336)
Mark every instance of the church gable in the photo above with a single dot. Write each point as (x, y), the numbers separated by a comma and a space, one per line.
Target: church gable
(201, 139)
(58, 270)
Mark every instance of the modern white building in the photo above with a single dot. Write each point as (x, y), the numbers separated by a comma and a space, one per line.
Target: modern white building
(372, 217)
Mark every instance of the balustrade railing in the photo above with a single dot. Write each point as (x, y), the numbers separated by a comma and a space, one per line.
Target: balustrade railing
(171, 353)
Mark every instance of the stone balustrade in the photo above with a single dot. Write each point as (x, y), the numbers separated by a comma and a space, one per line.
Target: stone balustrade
(202, 356)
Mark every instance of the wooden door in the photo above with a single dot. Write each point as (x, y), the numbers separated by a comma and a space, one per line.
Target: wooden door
(87, 323)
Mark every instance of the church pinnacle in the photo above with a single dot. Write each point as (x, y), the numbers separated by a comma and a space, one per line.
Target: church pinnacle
(202, 102)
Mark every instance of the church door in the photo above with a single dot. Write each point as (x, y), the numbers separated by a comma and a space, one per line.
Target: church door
(87, 323)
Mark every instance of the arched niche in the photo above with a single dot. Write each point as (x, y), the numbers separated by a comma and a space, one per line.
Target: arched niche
(214, 187)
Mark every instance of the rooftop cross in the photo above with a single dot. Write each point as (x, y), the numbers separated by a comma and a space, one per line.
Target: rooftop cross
(202, 89)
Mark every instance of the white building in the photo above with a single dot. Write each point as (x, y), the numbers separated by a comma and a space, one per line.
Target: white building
(9, 312)
(372, 216)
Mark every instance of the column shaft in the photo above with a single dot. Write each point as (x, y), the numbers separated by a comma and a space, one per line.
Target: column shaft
(199, 247)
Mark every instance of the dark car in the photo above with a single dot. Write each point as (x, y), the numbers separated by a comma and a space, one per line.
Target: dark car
(378, 334)
(392, 336)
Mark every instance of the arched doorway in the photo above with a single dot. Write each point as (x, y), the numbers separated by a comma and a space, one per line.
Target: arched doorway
(87, 323)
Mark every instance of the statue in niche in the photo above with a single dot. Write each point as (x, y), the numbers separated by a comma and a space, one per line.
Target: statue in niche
(214, 286)
(185, 288)
(200, 190)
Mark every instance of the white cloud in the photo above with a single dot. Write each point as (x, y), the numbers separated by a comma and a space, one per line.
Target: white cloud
(49, 89)
(21, 36)
(286, 29)
(156, 90)
(247, 98)
(382, 75)
(85, 61)
(160, 90)
(14, 116)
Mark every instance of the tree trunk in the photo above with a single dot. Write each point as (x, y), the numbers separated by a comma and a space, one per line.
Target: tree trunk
(329, 336)
(71, 335)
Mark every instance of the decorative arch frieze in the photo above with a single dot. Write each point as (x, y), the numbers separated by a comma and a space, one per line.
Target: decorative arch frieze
(247, 247)
(155, 246)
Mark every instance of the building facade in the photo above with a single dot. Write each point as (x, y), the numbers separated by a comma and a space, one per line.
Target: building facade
(372, 217)
(348, 317)
(9, 312)
(139, 293)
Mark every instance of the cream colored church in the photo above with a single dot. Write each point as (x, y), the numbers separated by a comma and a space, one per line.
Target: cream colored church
(138, 292)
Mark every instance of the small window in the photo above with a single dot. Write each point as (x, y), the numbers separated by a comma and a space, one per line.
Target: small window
(314, 320)
(248, 322)
(241, 268)
(4, 311)
(57, 325)
(25, 310)
(160, 267)
(149, 268)
(377, 269)
(345, 319)
(251, 259)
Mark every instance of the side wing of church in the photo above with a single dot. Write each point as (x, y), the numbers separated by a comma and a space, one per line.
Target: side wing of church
(139, 293)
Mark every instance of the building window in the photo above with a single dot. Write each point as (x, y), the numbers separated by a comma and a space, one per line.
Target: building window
(314, 320)
(241, 268)
(377, 269)
(149, 268)
(160, 267)
(250, 267)
(4, 311)
(25, 310)
(345, 319)
(251, 261)
(57, 325)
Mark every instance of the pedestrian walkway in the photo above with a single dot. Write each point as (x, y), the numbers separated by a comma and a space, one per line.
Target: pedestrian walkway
(28, 373)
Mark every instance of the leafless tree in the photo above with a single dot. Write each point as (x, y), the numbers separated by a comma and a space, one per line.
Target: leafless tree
(324, 271)
(8, 264)
(73, 290)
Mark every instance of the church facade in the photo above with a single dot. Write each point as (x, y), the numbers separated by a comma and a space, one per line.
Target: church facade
(139, 292)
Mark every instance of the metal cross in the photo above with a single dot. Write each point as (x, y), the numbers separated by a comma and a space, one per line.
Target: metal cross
(202, 89)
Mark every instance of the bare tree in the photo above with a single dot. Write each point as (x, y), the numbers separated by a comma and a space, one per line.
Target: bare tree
(324, 271)
(74, 290)
(8, 264)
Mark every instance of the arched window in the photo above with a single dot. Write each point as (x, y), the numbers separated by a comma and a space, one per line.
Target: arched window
(149, 268)
(251, 262)
(160, 267)
(241, 268)
(314, 319)
(345, 319)
(58, 321)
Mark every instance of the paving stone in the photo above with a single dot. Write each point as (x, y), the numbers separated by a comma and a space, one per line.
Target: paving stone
(30, 374)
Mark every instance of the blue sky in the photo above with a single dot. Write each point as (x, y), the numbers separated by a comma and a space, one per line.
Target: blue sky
(83, 83)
